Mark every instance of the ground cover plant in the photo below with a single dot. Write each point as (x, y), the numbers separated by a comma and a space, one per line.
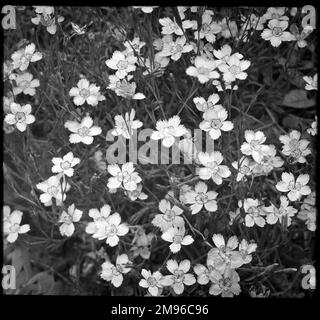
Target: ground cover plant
(160, 151)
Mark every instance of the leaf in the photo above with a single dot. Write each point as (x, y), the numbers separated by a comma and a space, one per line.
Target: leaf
(298, 99)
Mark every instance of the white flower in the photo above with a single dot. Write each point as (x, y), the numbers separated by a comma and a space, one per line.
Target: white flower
(308, 211)
(300, 37)
(134, 46)
(154, 281)
(177, 238)
(169, 27)
(168, 130)
(275, 13)
(229, 28)
(208, 29)
(294, 147)
(254, 145)
(282, 214)
(67, 219)
(211, 103)
(125, 177)
(114, 273)
(200, 197)
(312, 83)
(82, 132)
(137, 194)
(295, 189)
(245, 250)
(11, 224)
(254, 212)
(46, 19)
(98, 216)
(225, 254)
(7, 100)
(176, 49)
(234, 68)
(65, 164)
(20, 116)
(212, 168)
(124, 64)
(215, 121)
(141, 243)
(204, 69)
(23, 57)
(125, 125)
(180, 276)
(313, 130)
(155, 67)
(86, 92)
(226, 284)
(44, 9)
(146, 9)
(111, 229)
(53, 188)
(125, 89)
(245, 167)
(276, 32)
(171, 217)
(26, 84)
(223, 55)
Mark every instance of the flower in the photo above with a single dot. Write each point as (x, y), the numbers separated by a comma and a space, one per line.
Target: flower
(300, 37)
(312, 83)
(245, 250)
(7, 100)
(276, 34)
(200, 198)
(204, 69)
(86, 92)
(44, 17)
(67, 219)
(134, 46)
(212, 168)
(146, 9)
(169, 27)
(53, 188)
(208, 29)
(226, 284)
(125, 125)
(137, 194)
(294, 147)
(255, 212)
(170, 217)
(245, 167)
(225, 254)
(308, 211)
(275, 13)
(123, 63)
(168, 130)
(229, 28)
(223, 55)
(283, 214)
(26, 84)
(175, 49)
(11, 224)
(154, 281)
(177, 238)
(254, 145)
(295, 189)
(155, 67)
(211, 103)
(111, 229)
(65, 164)
(21, 58)
(114, 273)
(234, 68)
(141, 244)
(44, 10)
(20, 116)
(180, 276)
(125, 89)
(313, 130)
(125, 177)
(82, 132)
(98, 216)
(215, 121)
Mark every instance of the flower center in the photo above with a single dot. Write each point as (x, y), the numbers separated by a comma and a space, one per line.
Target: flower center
(216, 123)
(53, 190)
(65, 165)
(298, 186)
(293, 143)
(253, 211)
(84, 93)
(203, 70)
(177, 238)
(152, 281)
(169, 215)
(212, 164)
(20, 117)
(179, 275)
(83, 131)
(67, 219)
(244, 169)
(201, 198)
(24, 84)
(235, 69)
(122, 65)
(291, 185)
(15, 228)
(277, 31)
(46, 20)
(112, 230)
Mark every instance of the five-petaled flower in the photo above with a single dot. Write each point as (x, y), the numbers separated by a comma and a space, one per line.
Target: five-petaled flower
(65, 164)
(67, 219)
(20, 116)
